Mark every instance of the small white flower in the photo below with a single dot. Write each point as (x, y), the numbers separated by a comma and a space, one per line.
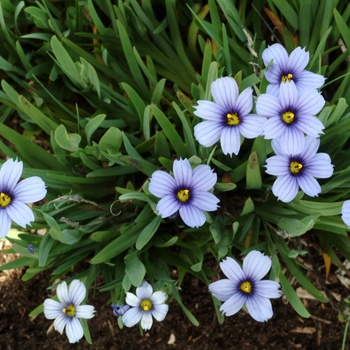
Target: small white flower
(68, 310)
(144, 305)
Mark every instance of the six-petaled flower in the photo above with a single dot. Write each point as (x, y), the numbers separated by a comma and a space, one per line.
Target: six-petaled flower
(298, 170)
(291, 116)
(68, 310)
(14, 195)
(285, 69)
(228, 117)
(187, 192)
(145, 305)
(244, 286)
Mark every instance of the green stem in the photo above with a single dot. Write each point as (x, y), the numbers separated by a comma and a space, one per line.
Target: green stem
(345, 333)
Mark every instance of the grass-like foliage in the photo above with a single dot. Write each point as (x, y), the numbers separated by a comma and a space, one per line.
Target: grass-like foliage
(97, 95)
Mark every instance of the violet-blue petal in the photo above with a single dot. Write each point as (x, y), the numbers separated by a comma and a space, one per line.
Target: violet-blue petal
(268, 106)
(345, 212)
(60, 322)
(146, 321)
(205, 201)
(84, 311)
(244, 103)
(144, 291)
(20, 213)
(298, 60)
(52, 309)
(292, 141)
(252, 126)
(62, 293)
(10, 174)
(310, 101)
(192, 216)
(160, 311)
(132, 316)
(74, 330)
(161, 183)
(277, 53)
(132, 300)
(5, 224)
(285, 188)
(308, 79)
(76, 292)
(256, 265)
(225, 92)
(309, 125)
(30, 190)
(222, 289)
(232, 270)
(277, 165)
(309, 185)
(259, 308)
(233, 304)
(158, 297)
(182, 172)
(209, 110)
(267, 289)
(320, 166)
(168, 205)
(230, 140)
(203, 178)
(207, 133)
(288, 96)
(274, 128)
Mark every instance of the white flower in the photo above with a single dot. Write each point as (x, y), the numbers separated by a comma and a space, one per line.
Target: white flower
(68, 310)
(144, 305)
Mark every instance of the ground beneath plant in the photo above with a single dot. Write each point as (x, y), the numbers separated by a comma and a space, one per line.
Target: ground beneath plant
(286, 330)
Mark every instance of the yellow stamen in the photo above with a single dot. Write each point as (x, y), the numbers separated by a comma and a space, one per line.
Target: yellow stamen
(288, 117)
(287, 77)
(183, 195)
(146, 305)
(246, 287)
(69, 310)
(295, 167)
(5, 200)
(232, 119)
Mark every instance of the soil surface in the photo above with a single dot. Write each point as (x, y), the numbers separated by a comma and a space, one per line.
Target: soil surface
(286, 330)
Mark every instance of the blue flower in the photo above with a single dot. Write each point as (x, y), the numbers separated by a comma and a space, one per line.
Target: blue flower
(244, 286)
(144, 305)
(14, 195)
(68, 310)
(345, 212)
(298, 170)
(119, 310)
(228, 117)
(289, 68)
(291, 115)
(186, 192)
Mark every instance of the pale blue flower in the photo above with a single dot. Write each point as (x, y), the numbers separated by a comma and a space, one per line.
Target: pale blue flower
(187, 192)
(228, 117)
(68, 310)
(298, 170)
(244, 286)
(144, 305)
(289, 68)
(345, 212)
(291, 116)
(14, 195)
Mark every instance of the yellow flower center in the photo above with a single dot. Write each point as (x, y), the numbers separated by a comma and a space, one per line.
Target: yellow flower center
(69, 310)
(183, 195)
(232, 119)
(5, 200)
(146, 305)
(287, 77)
(288, 117)
(295, 167)
(246, 287)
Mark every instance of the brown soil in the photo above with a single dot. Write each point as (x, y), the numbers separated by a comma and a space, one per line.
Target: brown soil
(286, 330)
